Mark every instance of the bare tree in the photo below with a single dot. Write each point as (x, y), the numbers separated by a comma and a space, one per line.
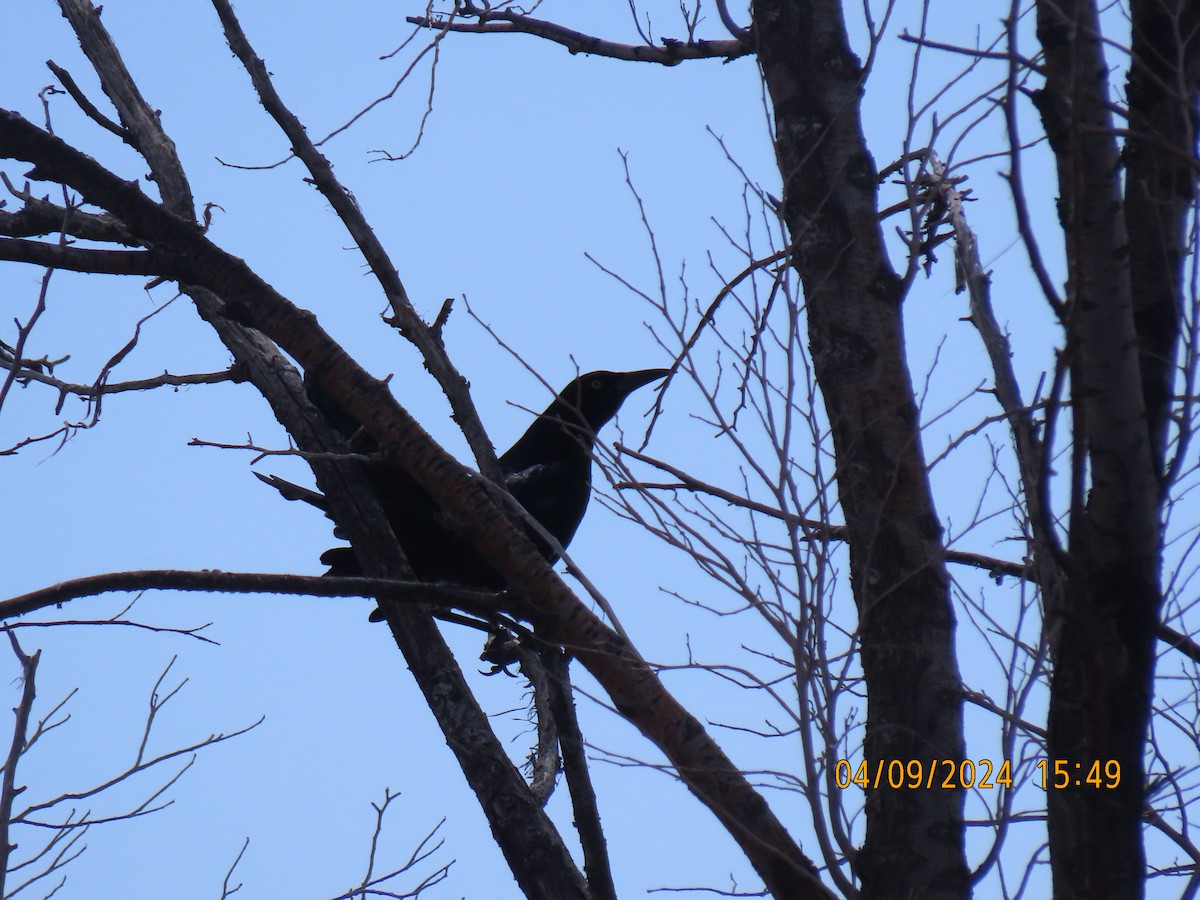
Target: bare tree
(1080, 665)
(53, 828)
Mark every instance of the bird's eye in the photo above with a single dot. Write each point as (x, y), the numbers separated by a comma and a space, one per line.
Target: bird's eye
(596, 384)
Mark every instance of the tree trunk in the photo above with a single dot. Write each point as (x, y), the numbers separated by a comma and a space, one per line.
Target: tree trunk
(914, 839)
(1103, 635)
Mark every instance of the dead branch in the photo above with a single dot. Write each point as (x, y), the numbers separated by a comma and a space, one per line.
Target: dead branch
(478, 602)
(85, 104)
(509, 21)
(596, 863)
(25, 374)
(500, 790)
(374, 884)
(63, 844)
(76, 259)
(8, 787)
(39, 216)
(404, 316)
(544, 760)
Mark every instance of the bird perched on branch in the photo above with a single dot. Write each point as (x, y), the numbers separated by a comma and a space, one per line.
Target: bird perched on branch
(548, 471)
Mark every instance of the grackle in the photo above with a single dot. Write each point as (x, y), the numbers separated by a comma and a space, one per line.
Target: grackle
(548, 471)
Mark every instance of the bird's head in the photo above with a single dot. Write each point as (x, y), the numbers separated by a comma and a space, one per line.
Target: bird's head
(595, 397)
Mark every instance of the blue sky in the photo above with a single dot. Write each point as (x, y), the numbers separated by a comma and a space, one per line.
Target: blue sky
(517, 177)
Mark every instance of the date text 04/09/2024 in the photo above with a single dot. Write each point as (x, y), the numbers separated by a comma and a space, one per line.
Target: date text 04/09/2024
(950, 774)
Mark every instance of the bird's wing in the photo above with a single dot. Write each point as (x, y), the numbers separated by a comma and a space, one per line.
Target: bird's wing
(539, 487)
(554, 493)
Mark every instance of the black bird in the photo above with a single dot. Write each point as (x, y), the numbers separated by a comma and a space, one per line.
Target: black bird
(548, 470)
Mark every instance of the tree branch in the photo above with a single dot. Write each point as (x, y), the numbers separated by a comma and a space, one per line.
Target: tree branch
(821, 531)
(529, 840)
(404, 317)
(26, 374)
(38, 216)
(508, 21)
(8, 787)
(100, 262)
(630, 682)
(479, 602)
(586, 811)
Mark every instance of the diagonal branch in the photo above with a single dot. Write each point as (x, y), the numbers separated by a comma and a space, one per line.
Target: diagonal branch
(404, 316)
(529, 840)
(630, 682)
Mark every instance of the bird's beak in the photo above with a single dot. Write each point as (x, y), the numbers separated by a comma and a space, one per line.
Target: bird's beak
(634, 380)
